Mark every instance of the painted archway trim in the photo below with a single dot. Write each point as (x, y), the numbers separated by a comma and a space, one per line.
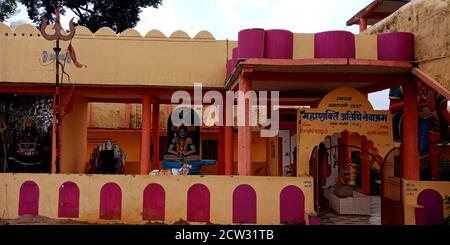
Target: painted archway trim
(244, 205)
(154, 202)
(432, 212)
(69, 200)
(29, 199)
(110, 201)
(198, 203)
(292, 205)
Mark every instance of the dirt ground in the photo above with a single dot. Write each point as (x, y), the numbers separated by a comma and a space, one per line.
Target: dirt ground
(41, 220)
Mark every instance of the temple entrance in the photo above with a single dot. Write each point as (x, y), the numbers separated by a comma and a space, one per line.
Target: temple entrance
(347, 180)
(344, 139)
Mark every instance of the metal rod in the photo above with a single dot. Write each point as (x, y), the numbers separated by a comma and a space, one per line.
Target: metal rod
(57, 50)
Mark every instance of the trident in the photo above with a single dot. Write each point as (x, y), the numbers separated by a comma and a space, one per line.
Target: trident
(57, 35)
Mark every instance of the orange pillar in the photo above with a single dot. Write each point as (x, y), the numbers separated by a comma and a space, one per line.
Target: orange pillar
(362, 24)
(145, 134)
(155, 134)
(228, 144)
(89, 117)
(410, 154)
(244, 133)
(365, 165)
(221, 160)
(53, 167)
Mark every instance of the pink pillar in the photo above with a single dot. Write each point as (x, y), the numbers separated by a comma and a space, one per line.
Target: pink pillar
(229, 161)
(244, 133)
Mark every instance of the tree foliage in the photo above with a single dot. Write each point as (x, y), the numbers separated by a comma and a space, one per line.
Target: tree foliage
(116, 14)
(7, 8)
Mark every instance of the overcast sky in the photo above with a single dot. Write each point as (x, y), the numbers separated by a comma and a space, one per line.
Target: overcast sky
(224, 19)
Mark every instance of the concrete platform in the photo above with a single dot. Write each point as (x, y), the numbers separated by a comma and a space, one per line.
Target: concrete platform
(359, 204)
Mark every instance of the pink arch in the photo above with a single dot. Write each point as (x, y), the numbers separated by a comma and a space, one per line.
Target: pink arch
(69, 200)
(29, 199)
(110, 201)
(292, 205)
(198, 203)
(244, 204)
(154, 202)
(432, 204)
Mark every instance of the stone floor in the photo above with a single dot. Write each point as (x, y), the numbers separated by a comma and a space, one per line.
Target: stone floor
(328, 217)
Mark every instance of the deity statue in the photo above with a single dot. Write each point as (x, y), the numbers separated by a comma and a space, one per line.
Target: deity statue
(182, 145)
(25, 154)
(182, 155)
(433, 119)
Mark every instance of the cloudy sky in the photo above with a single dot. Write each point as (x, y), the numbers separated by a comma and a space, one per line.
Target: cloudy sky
(224, 19)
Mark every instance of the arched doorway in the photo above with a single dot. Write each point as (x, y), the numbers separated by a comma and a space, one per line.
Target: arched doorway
(346, 168)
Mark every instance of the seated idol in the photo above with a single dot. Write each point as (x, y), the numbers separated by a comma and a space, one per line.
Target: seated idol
(182, 147)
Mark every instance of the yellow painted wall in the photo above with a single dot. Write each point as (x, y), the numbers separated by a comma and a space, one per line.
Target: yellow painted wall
(303, 46)
(127, 59)
(412, 189)
(429, 21)
(220, 187)
(274, 157)
(366, 47)
(107, 115)
(258, 154)
(73, 137)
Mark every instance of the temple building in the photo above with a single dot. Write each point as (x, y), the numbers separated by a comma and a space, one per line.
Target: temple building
(120, 158)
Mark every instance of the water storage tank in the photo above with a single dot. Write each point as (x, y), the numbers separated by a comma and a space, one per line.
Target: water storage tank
(251, 43)
(396, 46)
(278, 44)
(334, 44)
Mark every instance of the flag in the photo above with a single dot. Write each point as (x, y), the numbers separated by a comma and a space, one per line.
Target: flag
(73, 56)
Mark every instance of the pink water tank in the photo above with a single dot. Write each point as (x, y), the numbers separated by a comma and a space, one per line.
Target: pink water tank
(334, 44)
(396, 46)
(251, 43)
(278, 44)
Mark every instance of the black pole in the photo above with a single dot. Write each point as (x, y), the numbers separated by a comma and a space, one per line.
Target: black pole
(57, 50)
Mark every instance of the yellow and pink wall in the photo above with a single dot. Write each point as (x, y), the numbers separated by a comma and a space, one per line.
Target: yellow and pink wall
(140, 199)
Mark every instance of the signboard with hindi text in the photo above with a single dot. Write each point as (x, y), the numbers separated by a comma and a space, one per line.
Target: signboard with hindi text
(342, 109)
